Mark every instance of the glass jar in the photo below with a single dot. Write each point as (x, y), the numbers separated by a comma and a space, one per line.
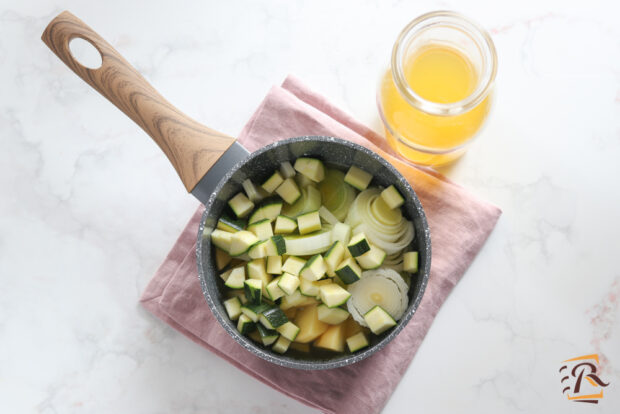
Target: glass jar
(436, 95)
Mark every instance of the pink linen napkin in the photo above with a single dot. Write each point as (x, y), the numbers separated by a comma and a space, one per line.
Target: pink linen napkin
(459, 223)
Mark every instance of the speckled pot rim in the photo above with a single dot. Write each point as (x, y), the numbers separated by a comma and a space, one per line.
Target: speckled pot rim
(281, 360)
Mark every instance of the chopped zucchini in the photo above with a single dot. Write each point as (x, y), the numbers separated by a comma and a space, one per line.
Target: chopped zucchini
(379, 320)
(410, 262)
(333, 257)
(225, 275)
(268, 336)
(285, 225)
(255, 336)
(358, 178)
(327, 215)
(240, 242)
(229, 224)
(254, 311)
(258, 250)
(255, 194)
(295, 300)
(293, 265)
(358, 245)
(392, 197)
(311, 168)
(272, 182)
(262, 229)
(233, 308)
(309, 222)
(288, 330)
(245, 325)
(236, 278)
(342, 232)
(221, 239)
(269, 209)
(348, 271)
(308, 288)
(274, 265)
(309, 244)
(287, 170)
(288, 283)
(314, 268)
(253, 290)
(372, 259)
(276, 245)
(273, 290)
(357, 342)
(289, 191)
(281, 345)
(241, 205)
(272, 317)
(332, 316)
(222, 258)
(333, 295)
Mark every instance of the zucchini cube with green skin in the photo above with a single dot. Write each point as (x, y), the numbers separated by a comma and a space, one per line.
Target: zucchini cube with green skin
(358, 245)
(235, 278)
(262, 229)
(288, 283)
(273, 290)
(293, 265)
(311, 168)
(314, 269)
(230, 224)
(392, 197)
(245, 325)
(410, 262)
(253, 290)
(348, 271)
(379, 320)
(308, 288)
(358, 178)
(276, 245)
(241, 205)
(254, 311)
(268, 336)
(309, 222)
(372, 259)
(255, 194)
(269, 209)
(357, 342)
(274, 265)
(233, 308)
(287, 170)
(221, 239)
(331, 316)
(285, 225)
(258, 250)
(281, 345)
(333, 257)
(272, 182)
(289, 330)
(272, 317)
(333, 295)
(289, 191)
(241, 241)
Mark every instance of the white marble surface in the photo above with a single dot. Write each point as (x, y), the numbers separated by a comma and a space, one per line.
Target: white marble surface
(89, 206)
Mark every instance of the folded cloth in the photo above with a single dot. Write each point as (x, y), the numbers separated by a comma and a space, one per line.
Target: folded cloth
(459, 224)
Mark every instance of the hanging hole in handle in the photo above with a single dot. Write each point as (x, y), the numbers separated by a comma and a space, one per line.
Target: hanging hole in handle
(85, 53)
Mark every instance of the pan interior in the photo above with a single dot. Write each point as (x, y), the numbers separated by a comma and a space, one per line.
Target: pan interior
(258, 167)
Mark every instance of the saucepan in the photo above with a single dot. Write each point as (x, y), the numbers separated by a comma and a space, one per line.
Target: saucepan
(212, 166)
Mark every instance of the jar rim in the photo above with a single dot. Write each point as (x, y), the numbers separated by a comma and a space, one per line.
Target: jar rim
(478, 35)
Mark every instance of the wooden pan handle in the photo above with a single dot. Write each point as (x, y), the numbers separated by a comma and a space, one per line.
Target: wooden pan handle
(191, 147)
